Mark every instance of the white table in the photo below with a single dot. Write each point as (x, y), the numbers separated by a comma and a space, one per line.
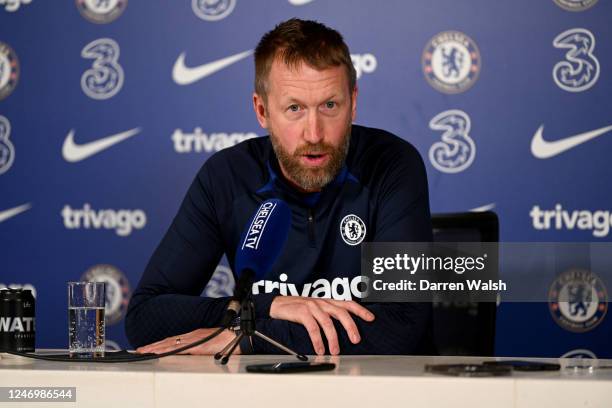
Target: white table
(358, 381)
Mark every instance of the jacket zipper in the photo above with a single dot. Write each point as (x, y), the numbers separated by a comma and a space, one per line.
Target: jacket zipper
(311, 231)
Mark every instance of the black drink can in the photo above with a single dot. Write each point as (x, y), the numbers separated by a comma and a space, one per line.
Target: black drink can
(17, 319)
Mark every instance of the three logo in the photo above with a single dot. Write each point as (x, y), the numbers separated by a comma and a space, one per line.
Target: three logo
(7, 150)
(580, 69)
(105, 77)
(456, 151)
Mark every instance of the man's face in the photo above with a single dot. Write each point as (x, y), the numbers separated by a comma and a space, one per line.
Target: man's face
(308, 115)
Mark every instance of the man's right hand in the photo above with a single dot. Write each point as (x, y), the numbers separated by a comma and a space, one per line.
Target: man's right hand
(313, 313)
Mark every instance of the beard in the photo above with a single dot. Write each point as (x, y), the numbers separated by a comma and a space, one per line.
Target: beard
(312, 178)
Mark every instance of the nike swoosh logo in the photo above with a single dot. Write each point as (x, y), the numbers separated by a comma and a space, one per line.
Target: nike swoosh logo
(299, 2)
(184, 75)
(543, 149)
(74, 153)
(11, 212)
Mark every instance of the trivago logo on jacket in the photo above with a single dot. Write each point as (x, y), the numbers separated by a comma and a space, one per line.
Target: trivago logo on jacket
(340, 288)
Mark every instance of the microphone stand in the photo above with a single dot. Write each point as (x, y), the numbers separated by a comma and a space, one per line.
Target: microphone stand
(247, 329)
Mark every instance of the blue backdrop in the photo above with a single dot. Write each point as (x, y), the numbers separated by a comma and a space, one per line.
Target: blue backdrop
(108, 109)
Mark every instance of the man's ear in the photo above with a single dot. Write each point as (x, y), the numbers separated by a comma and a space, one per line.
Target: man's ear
(354, 103)
(259, 106)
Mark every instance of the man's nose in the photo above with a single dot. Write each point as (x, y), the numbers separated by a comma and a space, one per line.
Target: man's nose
(313, 131)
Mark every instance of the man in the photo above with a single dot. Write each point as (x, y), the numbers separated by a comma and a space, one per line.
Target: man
(344, 184)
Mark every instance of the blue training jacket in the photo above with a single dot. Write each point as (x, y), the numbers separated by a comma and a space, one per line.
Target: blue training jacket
(383, 184)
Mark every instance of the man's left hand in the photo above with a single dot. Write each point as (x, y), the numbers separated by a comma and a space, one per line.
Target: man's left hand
(210, 347)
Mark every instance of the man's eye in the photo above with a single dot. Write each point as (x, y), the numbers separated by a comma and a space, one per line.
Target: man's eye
(294, 108)
(330, 105)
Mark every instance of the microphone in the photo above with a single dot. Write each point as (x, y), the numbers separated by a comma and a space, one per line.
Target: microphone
(260, 245)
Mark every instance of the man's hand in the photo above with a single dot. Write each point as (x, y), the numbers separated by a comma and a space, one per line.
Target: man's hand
(210, 347)
(313, 313)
